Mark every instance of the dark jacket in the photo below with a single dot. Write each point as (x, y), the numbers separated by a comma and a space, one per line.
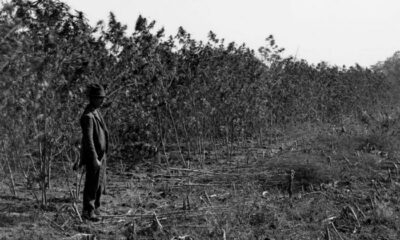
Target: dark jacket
(94, 138)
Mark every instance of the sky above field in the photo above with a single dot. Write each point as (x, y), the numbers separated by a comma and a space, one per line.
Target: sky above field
(340, 32)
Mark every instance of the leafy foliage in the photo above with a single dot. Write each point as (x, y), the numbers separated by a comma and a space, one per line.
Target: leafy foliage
(161, 89)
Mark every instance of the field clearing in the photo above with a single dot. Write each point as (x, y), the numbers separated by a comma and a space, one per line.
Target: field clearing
(245, 192)
(209, 139)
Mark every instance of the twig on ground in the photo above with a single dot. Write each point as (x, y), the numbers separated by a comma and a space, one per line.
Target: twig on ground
(186, 213)
(205, 185)
(190, 170)
(347, 160)
(327, 234)
(190, 226)
(316, 192)
(336, 231)
(156, 225)
(77, 211)
(329, 219)
(290, 183)
(54, 224)
(65, 223)
(354, 215)
(208, 198)
(362, 213)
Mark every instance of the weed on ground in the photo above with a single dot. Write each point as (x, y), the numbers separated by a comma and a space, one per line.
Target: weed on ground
(323, 186)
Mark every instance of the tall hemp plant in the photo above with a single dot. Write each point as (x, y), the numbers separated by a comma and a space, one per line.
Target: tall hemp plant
(40, 83)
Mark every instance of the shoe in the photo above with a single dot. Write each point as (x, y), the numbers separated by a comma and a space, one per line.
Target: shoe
(90, 217)
(97, 211)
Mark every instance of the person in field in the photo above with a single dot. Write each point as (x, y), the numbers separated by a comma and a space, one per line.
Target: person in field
(94, 148)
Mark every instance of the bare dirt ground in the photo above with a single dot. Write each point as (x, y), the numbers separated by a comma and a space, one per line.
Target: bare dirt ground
(342, 188)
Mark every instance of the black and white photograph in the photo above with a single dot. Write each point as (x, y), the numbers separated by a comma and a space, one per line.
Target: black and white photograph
(199, 119)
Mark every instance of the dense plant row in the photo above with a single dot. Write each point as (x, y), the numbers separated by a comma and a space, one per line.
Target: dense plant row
(160, 88)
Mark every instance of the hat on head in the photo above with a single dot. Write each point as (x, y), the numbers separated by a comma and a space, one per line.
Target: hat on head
(95, 90)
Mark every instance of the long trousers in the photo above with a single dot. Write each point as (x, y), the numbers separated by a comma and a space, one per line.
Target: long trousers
(94, 185)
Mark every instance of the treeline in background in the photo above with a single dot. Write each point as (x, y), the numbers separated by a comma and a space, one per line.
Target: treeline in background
(161, 89)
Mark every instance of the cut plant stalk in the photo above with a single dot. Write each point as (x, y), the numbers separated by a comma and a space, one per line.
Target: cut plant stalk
(10, 172)
(13, 191)
(176, 135)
